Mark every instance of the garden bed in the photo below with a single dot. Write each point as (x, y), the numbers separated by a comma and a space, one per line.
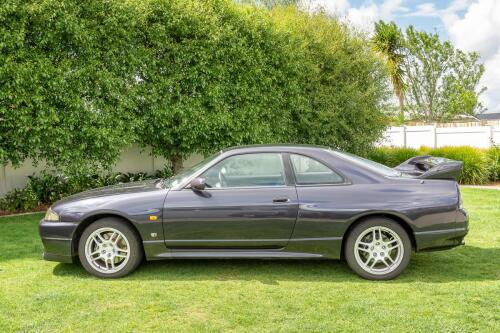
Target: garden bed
(41, 208)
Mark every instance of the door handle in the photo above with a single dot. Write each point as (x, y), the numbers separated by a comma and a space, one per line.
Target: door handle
(280, 200)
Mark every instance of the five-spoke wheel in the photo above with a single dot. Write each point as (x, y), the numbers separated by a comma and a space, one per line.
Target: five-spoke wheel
(109, 248)
(378, 249)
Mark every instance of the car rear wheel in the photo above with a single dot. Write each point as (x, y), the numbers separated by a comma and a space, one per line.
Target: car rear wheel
(378, 249)
(109, 248)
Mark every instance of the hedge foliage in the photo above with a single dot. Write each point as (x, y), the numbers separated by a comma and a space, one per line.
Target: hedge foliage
(493, 155)
(392, 156)
(480, 165)
(344, 84)
(81, 80)
(66, 71)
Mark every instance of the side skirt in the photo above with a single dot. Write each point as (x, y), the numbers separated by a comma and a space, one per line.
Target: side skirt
(304, 248)
(235, 254)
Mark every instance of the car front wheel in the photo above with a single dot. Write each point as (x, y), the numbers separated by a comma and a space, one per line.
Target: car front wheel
(109, 248)
(378, 249)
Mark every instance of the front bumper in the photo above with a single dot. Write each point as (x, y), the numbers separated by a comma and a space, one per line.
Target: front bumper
(444, 239)
(57, 239)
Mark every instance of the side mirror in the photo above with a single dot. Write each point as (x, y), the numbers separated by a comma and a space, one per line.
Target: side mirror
(198, 184)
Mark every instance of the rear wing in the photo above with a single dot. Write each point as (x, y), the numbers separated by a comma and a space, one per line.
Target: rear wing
(431, 167)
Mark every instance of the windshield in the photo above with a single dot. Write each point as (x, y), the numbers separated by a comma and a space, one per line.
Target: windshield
(185, 174)
(377, 167)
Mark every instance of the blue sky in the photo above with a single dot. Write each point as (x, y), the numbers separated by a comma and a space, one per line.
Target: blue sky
(471, 25)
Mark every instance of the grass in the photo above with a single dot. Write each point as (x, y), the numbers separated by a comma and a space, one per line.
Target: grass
(455, 291)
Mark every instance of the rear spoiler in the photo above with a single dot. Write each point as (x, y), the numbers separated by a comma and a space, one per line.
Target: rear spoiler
(431, 167)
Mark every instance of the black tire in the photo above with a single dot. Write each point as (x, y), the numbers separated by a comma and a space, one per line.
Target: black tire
(135, 248)
(349, 249)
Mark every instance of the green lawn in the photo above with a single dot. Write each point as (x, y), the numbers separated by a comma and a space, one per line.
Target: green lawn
(456, 290)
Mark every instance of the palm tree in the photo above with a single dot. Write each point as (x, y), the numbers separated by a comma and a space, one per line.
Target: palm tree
(388, 42)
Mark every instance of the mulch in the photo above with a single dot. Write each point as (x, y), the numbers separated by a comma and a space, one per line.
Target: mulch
(40, 208)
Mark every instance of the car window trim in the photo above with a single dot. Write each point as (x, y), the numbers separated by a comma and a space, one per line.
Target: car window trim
(240, 187)
(287, 183)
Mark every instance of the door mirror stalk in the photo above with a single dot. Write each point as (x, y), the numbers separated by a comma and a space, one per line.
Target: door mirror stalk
(198, 184)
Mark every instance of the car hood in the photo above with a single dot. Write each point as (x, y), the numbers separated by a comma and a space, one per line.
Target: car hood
(126, 188)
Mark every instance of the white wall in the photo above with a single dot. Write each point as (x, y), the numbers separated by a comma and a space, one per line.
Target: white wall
(432, 136)
(136, 159)
(133, 159)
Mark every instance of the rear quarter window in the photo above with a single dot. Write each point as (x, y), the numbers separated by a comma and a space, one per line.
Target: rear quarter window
(309, 171)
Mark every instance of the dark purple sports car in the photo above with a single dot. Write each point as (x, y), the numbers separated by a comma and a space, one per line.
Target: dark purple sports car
(276, 201)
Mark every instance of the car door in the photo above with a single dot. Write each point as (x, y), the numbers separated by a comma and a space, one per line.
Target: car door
(322, 195)
(249, 203)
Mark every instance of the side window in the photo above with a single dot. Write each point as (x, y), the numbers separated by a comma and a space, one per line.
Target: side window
(248, 170)
(309, 171)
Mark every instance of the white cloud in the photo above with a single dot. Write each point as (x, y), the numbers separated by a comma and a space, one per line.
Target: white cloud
(479, 30)
(338, 7)
(426, 9)
(361, 17)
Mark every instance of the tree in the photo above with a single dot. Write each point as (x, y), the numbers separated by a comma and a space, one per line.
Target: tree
(219, 75)
(271, 3)
(442, 81)
(65, 74)
(215, 75)
(344, 82)
(389, 43)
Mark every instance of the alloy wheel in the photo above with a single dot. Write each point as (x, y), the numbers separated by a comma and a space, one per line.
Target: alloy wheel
(107, 250)
(378, 250)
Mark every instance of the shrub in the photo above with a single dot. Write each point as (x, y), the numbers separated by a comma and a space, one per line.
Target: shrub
(424, 150)
(19, 200)
(47, 188)
(391, 156)
(493, 155)
(166, 172)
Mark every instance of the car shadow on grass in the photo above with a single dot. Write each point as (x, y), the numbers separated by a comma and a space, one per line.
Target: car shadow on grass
(467, 263)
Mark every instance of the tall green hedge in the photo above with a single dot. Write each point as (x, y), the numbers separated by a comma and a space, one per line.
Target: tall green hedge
(345, 85)
(66, 68)
(80, 80)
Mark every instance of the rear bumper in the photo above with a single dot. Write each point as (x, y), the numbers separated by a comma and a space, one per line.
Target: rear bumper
(444, 239)
(57, 239)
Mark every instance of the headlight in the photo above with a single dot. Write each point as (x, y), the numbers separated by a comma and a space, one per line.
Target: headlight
(51, 216)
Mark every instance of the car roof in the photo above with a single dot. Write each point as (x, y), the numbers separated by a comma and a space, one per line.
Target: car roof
(279, 147)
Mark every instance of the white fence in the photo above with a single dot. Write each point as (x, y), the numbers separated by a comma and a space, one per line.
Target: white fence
(432, 136)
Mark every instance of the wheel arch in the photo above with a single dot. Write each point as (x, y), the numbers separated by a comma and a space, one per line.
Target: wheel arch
(394, 217)
(88, 220)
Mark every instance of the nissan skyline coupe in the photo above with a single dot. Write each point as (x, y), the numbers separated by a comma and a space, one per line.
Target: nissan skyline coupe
(265, 202)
